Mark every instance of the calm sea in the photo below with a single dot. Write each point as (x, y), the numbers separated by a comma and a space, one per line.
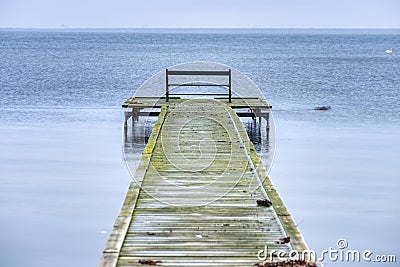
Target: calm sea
(62, 174)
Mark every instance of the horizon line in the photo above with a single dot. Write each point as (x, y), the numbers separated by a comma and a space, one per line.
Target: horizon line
(204, 28)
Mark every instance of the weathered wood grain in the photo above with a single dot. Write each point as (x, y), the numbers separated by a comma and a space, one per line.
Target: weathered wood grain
(195, 200)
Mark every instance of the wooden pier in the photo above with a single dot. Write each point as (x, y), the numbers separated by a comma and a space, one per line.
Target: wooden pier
(246, 107)
(193, 201)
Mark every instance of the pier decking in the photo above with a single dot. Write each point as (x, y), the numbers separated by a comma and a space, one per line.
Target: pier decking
(193, 201)
(195, 205)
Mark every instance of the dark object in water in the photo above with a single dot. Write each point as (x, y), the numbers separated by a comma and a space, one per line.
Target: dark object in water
(264, 202)
(283, 240)
(288, 263)
(150, 262)
(323, 108)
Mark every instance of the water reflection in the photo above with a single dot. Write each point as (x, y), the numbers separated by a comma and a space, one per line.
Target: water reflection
(138, 132)
(262, 139)
(136, 136)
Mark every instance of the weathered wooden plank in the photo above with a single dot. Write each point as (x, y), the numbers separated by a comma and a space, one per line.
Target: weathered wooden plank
(239, 103)
(196, 204)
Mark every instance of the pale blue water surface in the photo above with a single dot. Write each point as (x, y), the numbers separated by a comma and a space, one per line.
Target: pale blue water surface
(62, 175)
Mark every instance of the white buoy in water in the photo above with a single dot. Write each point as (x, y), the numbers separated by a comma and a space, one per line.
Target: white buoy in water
(389, 51)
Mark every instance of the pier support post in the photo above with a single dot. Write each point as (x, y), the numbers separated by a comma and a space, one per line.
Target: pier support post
(125, 133)
(126, 117)
(267, 124)
(133, 117)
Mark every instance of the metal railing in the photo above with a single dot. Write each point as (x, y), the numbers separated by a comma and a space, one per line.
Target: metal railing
(227, 73)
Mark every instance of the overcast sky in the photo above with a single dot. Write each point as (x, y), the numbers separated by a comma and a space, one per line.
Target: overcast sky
(200, 13)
